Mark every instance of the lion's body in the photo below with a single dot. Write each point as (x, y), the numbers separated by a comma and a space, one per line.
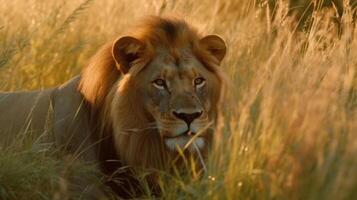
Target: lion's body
(139, 99)
(55, 115)
(23, 110)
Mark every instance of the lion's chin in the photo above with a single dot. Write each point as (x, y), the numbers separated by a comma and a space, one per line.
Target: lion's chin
(182, 142)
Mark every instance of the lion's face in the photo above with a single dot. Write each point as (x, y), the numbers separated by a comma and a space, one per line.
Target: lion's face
(172, 75)
(180, 95)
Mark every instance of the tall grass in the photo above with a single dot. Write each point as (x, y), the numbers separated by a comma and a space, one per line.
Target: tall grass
(290, 126)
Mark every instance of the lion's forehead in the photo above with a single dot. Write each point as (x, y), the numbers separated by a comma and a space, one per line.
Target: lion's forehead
(168, 66)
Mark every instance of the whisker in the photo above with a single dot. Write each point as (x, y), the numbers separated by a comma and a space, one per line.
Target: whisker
(137, 130)
(168, 122)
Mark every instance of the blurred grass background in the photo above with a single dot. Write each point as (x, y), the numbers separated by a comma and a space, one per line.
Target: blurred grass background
(290, 128)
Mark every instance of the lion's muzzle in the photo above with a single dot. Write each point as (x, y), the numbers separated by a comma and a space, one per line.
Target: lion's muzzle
(187, 117)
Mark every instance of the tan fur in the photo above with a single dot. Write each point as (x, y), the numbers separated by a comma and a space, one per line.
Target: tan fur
(114, 96)
(113, 110)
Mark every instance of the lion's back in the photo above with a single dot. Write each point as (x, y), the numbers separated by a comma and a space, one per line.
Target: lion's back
(22, 112)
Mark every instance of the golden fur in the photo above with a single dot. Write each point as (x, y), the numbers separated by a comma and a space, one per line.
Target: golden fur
(140, 98)
(113, 95)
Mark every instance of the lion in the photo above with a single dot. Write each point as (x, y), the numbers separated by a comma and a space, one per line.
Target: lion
(141, 99)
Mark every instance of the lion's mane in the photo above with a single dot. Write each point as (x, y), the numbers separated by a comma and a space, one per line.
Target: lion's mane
(116, 109)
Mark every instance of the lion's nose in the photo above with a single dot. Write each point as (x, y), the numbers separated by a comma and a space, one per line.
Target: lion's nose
(187, 117)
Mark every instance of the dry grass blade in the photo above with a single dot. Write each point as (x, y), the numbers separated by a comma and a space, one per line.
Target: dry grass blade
(289, 128)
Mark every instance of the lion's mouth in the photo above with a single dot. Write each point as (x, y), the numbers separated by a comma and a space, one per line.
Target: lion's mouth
(186, 140)
(187, 133)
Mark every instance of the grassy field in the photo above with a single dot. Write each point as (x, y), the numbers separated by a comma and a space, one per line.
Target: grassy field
(290, 128)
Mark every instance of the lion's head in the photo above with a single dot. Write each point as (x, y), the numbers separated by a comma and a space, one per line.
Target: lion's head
(156, 89)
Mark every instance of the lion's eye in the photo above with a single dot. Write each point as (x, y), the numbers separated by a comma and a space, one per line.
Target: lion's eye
(199, 82)
(159, 83)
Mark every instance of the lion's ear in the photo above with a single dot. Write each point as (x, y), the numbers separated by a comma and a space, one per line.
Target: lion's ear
(126, 50)
(215, 45)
